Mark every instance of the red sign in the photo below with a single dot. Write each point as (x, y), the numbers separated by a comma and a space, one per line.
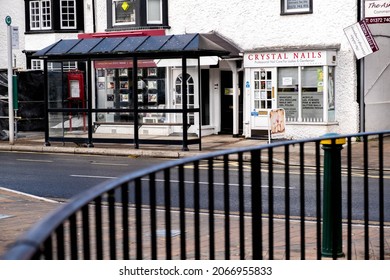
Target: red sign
(123, 63)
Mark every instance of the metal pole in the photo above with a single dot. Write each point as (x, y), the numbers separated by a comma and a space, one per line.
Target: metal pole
(332, 232)
(361, 76)
(10, 90)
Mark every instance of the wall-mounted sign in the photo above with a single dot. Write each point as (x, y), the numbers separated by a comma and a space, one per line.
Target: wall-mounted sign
(285, 59)
(296, 6)
(361, 39)
(377, 12)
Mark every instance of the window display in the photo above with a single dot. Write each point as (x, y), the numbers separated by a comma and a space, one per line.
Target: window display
(115, 91)
(301, 93)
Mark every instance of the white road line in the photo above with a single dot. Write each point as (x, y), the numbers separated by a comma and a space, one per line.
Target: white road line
(109, 164)
(91, 176)
(176, 181)
(34, 160)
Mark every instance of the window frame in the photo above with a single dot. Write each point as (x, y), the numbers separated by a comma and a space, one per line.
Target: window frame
(36, 64)
(141, 17)
(285, 11)
(160, 12)
(55, 17)
(41, 22)
(62, 20)
(114, 24)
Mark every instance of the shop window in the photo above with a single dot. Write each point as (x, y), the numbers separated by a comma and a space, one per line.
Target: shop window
(312, 94)
(331, 96)
(136, 13)
(302, 92)
(288, 84)
(55, 16)
(115, 92)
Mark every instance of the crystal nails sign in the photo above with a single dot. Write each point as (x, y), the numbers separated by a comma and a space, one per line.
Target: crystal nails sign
(296, 58)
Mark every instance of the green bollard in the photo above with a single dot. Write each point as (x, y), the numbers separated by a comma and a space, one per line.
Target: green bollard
(332, 231)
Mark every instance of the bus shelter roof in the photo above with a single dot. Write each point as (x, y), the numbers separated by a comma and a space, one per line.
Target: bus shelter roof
(183, 45)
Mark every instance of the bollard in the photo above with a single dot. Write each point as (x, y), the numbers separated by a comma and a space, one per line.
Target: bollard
(332, 231)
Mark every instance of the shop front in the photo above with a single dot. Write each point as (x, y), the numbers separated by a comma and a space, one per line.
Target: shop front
(144, 89)
(300, 84)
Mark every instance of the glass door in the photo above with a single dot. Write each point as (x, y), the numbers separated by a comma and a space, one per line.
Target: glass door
(192, 97)
(263, 96)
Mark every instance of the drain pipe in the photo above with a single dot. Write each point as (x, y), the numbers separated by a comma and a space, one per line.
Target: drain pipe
(93, 16)
(360, 75)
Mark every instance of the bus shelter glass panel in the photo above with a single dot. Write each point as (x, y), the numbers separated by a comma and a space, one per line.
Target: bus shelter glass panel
(67, 95)
(66, 87)
(116, 94)
(63, 124)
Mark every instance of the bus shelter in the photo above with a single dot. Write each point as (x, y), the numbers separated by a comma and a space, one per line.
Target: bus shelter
(115, 89)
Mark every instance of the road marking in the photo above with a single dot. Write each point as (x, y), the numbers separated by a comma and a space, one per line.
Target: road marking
(176, 181)
(91, 176)
(109, 164)
(34, 160)
(218, 184)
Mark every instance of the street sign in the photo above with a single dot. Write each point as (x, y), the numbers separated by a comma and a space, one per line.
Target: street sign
(8, 20)
(15, 37)
(361, 39)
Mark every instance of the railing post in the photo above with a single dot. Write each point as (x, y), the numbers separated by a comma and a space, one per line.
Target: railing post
(332, 232)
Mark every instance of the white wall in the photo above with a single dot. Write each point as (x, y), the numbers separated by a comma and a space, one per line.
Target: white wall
(252, 25)
(15, 9)
(258, 25)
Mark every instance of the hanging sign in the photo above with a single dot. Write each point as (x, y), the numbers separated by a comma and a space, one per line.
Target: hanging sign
(361, 39)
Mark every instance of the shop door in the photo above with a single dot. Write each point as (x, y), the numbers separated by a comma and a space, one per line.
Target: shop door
(263, 96)
(226, 103)
(192, 97)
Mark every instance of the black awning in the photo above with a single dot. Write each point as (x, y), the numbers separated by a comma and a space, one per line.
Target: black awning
(193, 45)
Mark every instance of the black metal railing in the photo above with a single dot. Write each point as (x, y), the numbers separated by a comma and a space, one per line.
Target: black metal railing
(263, 202)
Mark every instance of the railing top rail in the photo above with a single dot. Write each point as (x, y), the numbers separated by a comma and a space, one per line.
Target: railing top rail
(25, 247)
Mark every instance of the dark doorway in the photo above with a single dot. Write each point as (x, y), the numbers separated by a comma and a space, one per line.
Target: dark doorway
(227, 102)
(205, 91)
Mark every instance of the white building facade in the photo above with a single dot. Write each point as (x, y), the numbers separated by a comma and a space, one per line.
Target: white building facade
(294, 56)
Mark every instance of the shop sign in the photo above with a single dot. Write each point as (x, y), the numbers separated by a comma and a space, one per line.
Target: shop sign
(285, 59)
(361, 39)
(123, 63)
(377, 12)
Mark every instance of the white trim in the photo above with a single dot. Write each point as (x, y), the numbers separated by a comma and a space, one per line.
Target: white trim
(147, 14)
(113, 10)
(325, 93)
(68, 14)
(40, 15)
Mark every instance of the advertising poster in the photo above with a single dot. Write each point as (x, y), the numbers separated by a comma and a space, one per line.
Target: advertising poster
(277, 120)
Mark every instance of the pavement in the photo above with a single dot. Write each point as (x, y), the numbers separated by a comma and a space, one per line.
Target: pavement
(20, 211)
